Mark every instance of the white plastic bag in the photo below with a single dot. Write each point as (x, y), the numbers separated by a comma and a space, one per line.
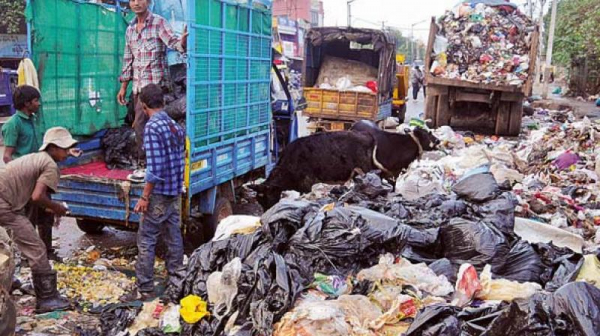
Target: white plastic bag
(502, 289)
(236, 224)
(344, 83)
(222, 287)
(420, 182)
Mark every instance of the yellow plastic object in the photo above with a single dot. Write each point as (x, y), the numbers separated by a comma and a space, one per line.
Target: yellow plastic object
(400, 58)
(193, 309)
(590, 270)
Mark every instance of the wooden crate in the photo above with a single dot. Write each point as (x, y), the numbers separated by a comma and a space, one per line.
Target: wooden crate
(338, 105)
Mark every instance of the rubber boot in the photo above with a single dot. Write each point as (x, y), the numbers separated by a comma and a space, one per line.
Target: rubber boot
(46, 293)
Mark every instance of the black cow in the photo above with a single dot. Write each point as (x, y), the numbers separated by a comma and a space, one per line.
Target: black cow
(334, 157)
(394, 152)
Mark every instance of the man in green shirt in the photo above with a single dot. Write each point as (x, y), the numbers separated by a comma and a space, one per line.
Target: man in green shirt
(20, 138)
(19, 133)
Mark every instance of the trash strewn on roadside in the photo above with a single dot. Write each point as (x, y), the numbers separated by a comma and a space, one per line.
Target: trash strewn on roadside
(484, 43)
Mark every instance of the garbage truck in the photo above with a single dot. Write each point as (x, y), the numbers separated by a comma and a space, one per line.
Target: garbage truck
(348, 75)
(228, 118)
(484, 92)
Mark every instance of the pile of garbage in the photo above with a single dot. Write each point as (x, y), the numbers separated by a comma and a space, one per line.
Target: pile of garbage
(484, 42)
(347, 75)
(360, 259)
(444, 251)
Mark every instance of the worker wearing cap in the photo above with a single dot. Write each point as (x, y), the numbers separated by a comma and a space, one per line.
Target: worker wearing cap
(29, 178)
(21, 138)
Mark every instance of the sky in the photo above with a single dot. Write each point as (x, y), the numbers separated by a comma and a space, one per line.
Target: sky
(397, 13)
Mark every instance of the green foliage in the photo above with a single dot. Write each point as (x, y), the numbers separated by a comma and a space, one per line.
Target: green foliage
(577, 31)
(13, 14)
(403, 45)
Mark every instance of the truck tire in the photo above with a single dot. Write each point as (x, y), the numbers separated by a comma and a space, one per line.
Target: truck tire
(90, 226)
(223, 209)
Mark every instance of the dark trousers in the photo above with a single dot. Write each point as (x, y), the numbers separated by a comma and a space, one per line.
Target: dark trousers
(139, 123)
(163, 216)
(416, 89)
(43, 221)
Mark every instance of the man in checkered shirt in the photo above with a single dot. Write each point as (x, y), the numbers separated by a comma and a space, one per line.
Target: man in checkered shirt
(145, 59)
(160, 202)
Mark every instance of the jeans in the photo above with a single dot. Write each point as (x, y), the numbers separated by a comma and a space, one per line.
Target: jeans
(163, 216)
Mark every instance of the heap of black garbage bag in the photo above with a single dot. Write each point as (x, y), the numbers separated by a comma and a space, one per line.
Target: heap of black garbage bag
(302, 236)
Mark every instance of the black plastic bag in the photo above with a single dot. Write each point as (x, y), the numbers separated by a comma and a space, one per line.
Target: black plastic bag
(561, 265)
(120, 149)
(523, 264)
(465, 241)
(116, 318)
(177, 108)
(445, 267)
(436, 320)
(500, 212)
(477, 188)
(573, 309)
(282, 220)
(371, 185)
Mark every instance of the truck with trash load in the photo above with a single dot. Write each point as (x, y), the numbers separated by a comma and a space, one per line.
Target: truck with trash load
(480, 65)
(348, 75)
(222, 98)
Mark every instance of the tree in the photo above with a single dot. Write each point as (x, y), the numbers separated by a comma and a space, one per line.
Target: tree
(13, 14)
(403, 45)
(577, 42)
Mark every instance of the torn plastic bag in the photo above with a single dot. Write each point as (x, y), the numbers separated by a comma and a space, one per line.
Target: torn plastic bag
(347, 239)
(465, 241)
(120, 149)
(445, 267)
(405, 273)
(523, 264)
(222, 287)
(213, 256)
(282, 220)
(436, 320)
(573, 309)
(499, 212)
(371, 185)
(477, 188)
(562, 265)
(502, 289)
(116, 318)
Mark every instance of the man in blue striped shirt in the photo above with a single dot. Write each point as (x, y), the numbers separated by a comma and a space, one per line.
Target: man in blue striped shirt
(160, 202)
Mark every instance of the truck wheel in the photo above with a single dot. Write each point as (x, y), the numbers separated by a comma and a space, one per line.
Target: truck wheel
(223, 209)
(90, 226)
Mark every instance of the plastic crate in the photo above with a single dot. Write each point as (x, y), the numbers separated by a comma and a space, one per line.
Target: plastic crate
(228, 90)
(337, 105)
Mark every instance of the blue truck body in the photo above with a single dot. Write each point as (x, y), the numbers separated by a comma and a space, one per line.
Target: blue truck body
(229, 118)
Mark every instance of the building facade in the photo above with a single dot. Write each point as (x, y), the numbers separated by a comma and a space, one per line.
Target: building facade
(291, 21)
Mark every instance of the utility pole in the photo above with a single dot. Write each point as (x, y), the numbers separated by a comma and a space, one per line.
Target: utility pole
(538, 63)
(348, 3)
(549, 50)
